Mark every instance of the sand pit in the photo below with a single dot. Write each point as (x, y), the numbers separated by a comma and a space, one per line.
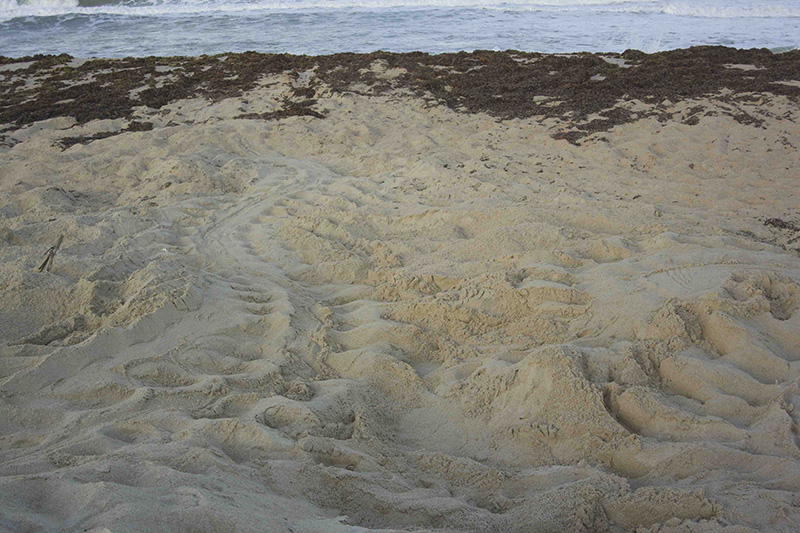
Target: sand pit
(314, 303)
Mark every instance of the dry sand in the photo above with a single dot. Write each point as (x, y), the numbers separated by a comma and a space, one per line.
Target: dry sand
(401, 316)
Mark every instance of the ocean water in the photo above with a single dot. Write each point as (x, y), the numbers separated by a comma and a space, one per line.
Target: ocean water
(115, 28)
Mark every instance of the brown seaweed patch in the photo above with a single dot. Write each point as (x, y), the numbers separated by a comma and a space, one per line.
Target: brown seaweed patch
(67, 142)
(505, 85)
(781, 224)
(290, 109)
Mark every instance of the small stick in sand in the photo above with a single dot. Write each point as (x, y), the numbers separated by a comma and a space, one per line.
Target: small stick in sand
(50, 255)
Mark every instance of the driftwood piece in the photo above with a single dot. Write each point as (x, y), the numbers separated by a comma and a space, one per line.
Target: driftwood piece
(50, 255)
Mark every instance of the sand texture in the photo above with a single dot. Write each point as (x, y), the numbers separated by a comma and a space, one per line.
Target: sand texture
(493, 292)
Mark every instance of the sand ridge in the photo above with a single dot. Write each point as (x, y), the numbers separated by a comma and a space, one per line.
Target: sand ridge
(401, 317)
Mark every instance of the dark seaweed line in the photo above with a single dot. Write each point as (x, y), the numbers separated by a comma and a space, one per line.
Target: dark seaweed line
(501, 84)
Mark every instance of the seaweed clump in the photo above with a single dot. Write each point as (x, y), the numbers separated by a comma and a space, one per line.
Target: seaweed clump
(134, 125)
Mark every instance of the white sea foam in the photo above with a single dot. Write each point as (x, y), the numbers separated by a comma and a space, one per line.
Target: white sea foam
(33, 8)
(709, 9)
(161, 7)
(683, 9)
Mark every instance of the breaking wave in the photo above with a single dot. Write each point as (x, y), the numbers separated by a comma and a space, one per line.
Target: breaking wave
(42, 8)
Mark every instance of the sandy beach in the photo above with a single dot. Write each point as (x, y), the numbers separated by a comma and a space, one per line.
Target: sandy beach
(474, 292)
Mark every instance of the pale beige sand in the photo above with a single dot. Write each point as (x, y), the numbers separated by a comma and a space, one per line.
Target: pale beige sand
(400, 318)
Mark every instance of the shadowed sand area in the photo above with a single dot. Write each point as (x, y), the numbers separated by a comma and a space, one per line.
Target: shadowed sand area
(483, 292)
